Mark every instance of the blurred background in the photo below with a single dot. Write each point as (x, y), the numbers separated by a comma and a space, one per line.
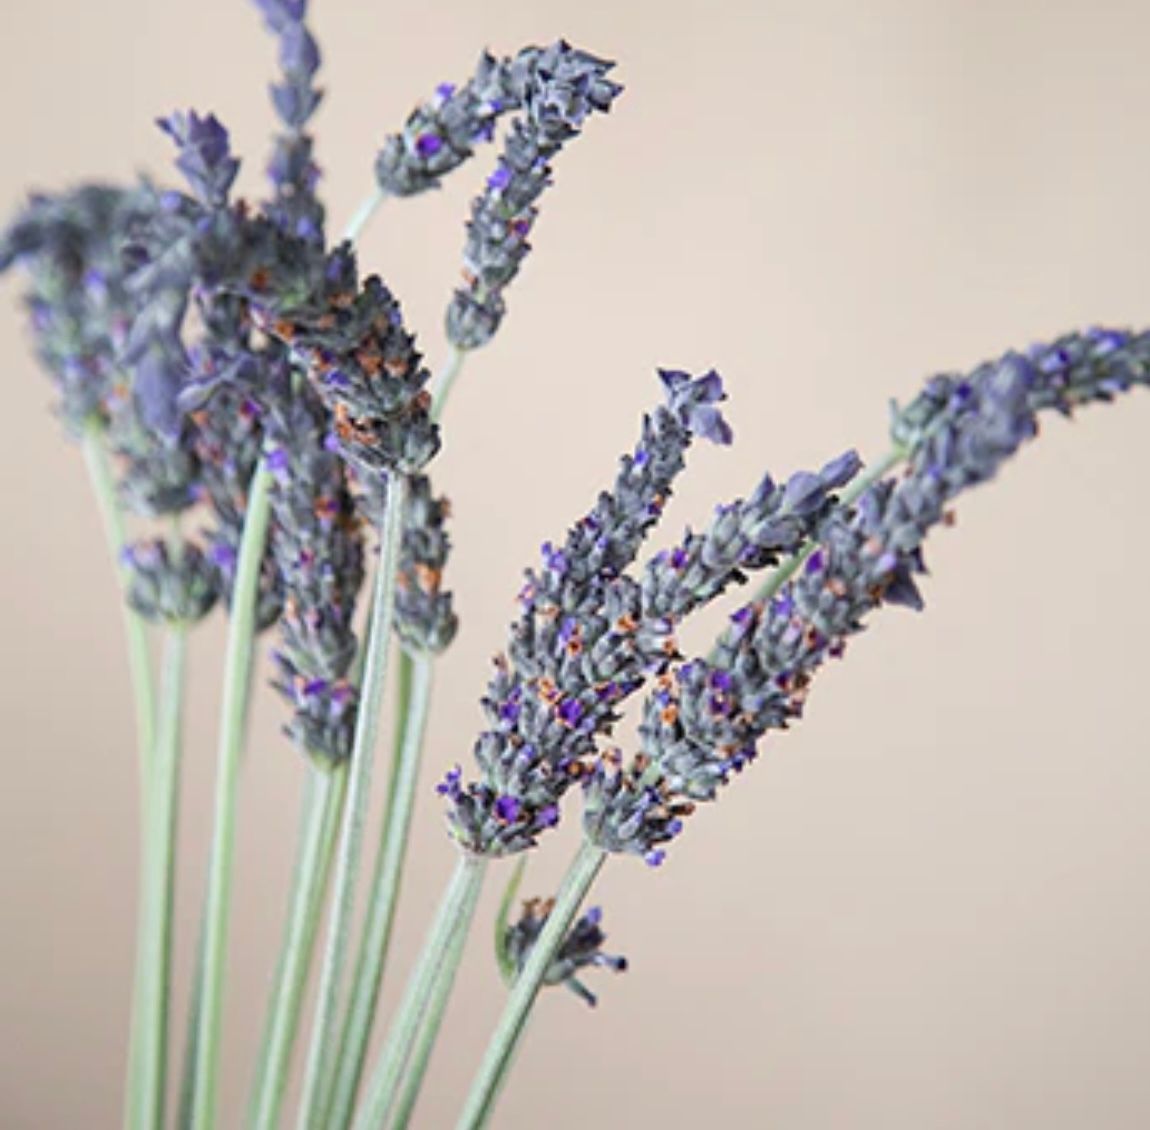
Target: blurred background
(926, 906)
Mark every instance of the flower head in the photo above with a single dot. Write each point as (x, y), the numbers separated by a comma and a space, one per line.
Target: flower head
(581, 949)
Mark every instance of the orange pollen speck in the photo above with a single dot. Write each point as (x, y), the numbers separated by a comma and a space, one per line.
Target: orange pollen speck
(429, 578)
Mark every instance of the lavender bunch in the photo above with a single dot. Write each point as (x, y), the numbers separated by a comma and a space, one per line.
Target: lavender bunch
(226, 363)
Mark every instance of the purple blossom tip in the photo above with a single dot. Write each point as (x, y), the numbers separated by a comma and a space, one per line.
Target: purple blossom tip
(693, 400)
(499, 179)
(570, 711)
(838, 472)
(428, 144)
(507, 809)
(450, 785)
(223, 555)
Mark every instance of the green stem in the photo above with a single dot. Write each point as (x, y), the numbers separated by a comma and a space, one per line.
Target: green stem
(503, 958)
(149, 1055)
(363, 215)
(445, 380)
(309, 819)
(103, 481)
(779, 577)
(317, 847)
(576, 883)
(191, 1039)
(428, 1033)
(432, 976)
(321, 1052)
(233, 712)
(415, 679)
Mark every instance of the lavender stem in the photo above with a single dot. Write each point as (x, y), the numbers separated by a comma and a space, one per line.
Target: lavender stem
(237, 665)
(363, 215)
(576, 883)
(414, 698)
(103, 482)
(431, 979)
(318, 838)
(149, 1055)
(445, 380)
(377, 644)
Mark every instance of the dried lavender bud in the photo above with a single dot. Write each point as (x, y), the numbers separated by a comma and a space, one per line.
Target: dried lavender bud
(580, 949)
(581, 644)
(293, 172)
(703, 722)
(317, 546)
(558, 88)
(182, 587)
(439, 134)
(424, 617)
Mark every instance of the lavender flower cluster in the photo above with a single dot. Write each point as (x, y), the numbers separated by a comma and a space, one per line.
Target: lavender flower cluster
(203, 339)
(590, 634)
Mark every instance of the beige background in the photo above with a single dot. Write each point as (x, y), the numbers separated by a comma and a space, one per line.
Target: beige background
(926, 907)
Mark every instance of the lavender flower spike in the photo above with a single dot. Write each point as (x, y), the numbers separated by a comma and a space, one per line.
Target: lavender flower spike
(296, 208)
(558, 87)
(317, 545)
